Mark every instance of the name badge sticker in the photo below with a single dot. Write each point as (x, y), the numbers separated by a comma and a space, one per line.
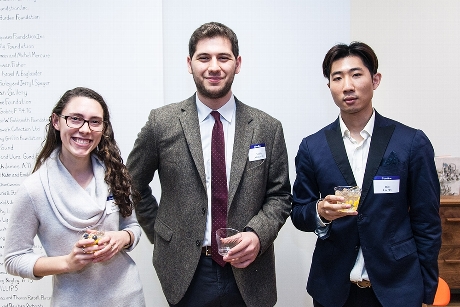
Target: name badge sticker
(110, 205)
(257, 152)
(386, 184)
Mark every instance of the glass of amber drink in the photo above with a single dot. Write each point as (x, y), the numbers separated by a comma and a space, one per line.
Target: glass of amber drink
(351, 195)
(94, 234)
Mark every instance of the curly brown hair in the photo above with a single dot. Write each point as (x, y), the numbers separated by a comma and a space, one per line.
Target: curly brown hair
(116, 174)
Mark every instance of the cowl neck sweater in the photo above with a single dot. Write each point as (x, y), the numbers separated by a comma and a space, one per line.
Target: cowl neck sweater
(75, 208)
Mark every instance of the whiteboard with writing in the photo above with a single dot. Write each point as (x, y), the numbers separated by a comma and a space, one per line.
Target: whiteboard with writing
(48, 47)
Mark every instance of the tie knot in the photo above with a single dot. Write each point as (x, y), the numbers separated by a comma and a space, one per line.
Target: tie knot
(216, 115)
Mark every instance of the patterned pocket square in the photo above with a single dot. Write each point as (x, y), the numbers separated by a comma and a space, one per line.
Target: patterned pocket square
(392, 159)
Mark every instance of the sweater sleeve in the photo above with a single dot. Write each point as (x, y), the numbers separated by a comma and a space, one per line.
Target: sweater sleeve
(130, 223)
(23, 223)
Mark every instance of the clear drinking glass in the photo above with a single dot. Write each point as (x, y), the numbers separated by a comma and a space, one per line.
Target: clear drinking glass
(227, 238)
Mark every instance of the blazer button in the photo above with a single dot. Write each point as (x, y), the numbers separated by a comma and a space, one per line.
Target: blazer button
(356, 247)
(198, 243)
(203, 210)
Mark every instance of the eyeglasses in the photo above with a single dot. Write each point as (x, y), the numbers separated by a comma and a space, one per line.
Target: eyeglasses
(96, 125)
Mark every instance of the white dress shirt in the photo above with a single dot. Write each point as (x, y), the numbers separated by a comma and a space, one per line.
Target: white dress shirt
(206, 121)
(357, 156)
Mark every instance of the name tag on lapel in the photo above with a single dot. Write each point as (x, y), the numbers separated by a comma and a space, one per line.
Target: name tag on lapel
(257, 152)
(386, 184)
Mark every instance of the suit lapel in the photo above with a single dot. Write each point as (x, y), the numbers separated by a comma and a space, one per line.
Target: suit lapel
(380, 138)
(191, 127)
(337, 147)
(243, 136)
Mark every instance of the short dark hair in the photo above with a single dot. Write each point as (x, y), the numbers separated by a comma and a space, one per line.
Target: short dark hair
(359, 49)
(210, 30)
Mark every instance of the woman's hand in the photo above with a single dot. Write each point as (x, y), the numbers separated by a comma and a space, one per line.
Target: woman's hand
(84, 251)
(82, 254)
(111, 243)
(79, 257)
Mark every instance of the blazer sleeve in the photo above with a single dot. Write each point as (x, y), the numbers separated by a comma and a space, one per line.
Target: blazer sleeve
(142, 164)
(305, 191)
(424, 199)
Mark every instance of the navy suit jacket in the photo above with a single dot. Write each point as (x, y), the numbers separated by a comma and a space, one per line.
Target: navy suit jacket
(400, 233)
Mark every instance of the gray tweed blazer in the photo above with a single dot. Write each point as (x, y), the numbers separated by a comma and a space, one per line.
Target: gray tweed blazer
(259, 195)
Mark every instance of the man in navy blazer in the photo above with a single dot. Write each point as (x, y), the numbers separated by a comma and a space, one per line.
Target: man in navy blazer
(385, 253)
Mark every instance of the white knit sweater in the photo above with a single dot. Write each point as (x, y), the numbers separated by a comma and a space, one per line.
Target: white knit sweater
(52, 205)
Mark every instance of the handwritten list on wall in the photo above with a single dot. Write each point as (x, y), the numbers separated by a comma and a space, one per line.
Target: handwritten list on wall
(46, 48)
(23, 80)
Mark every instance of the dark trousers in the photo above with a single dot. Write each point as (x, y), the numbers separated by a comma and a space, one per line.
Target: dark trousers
(358, 297)
(212, 286)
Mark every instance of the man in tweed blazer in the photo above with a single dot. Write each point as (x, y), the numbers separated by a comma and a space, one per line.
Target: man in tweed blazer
(176, 142)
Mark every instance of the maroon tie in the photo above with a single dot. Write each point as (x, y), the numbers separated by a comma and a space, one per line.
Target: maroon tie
(219, 192)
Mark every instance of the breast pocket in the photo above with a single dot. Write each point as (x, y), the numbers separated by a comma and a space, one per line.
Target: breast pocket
(392, 166)
(255, 168)
(403, 249)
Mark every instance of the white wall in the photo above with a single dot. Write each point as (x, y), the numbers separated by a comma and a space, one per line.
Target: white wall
(113, 47)
(418, 46)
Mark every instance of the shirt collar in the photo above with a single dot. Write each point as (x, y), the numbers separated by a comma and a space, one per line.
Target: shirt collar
(368, 129)
(227, 110)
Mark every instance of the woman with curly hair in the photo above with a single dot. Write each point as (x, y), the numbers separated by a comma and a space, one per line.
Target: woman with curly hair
(79, 202)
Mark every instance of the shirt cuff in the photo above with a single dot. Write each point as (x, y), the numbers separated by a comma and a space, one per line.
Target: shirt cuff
(320, 222)
(322, 226)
